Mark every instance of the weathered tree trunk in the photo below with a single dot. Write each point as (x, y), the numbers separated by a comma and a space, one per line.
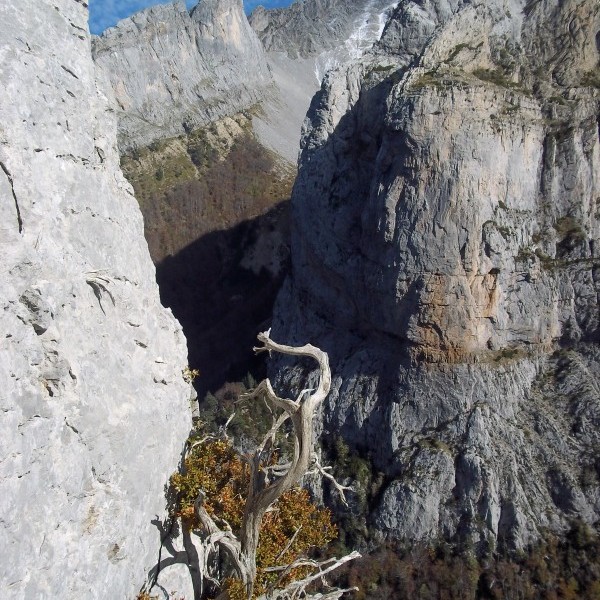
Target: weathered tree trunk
(269, 482)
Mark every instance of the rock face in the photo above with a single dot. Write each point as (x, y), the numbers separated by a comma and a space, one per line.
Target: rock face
(94, 407)
(303, 42)
(174, 70)
(312, 26)
(445, 253)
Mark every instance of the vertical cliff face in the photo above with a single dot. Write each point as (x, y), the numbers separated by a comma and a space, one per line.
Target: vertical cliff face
(173, 70)
(313, 26)
(94, 408)
(302, 43)
(446, 224)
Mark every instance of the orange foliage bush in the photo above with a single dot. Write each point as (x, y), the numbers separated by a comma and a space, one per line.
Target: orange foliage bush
(290, 530)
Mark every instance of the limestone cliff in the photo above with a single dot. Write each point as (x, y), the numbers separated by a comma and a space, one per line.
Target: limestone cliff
(445, 253)
(312, 26)
(94, 407)
(174, 70)
(302, 43)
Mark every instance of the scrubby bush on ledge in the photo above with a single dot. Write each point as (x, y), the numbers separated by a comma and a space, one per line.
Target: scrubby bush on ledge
(251, 526)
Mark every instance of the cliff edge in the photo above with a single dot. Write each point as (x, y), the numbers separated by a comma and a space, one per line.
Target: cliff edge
(445, 253)
(94, 407)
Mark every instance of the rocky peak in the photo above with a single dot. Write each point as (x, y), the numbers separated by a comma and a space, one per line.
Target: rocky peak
(213, 14)
(303, 42)
(224, 22)
(313, 26)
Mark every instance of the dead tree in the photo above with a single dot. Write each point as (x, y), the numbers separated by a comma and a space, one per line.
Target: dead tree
(268, 482)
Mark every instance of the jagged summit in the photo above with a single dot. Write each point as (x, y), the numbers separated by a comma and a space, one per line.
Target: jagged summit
(304, 42)
(333, 32)
(221, 20)
(309, 27)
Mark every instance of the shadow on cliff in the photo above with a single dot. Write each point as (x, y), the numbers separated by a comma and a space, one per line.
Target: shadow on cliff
(222, 288)
(336, 306)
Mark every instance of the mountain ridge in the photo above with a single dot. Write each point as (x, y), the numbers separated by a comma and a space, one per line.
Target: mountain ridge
(173, 70)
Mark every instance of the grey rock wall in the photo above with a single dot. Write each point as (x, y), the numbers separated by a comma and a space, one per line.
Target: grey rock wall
(94, 410)
(173, 70)
(445, 254)
(304, 28)
(309, 27)
(302, 43)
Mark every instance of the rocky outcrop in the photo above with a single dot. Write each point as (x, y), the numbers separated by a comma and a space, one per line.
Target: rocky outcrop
(303, 42)
(313, 26)
(173, 70)
(445, 253)
(94, 407)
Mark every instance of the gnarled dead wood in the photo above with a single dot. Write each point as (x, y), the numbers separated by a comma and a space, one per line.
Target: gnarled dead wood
(268, 482)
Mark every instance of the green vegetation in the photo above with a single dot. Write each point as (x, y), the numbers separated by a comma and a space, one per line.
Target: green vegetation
(252, 419)
(432, 443)
(367, 483)
(508, 354)
(558, 100)
(558, 131)
(382, 68)
(556, 568)
(506, 54)
(428, 79)
(569, 228)
(497, 77)
(203, 181)
(200, 149)
(189, 374)
(504, 231)
(592, 78)
(456, 51)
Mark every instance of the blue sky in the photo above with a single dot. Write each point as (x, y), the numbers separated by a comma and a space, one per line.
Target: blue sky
(106, 13)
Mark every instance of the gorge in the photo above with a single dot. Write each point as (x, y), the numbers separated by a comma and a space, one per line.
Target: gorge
(440, 244)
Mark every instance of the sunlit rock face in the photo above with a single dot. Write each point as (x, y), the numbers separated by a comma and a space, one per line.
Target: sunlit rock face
(311, 27)
(445, 252)
(303, 42)
(94, 409)
(173, 70)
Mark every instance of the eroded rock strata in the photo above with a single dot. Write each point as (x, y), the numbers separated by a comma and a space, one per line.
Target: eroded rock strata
(173, 70)
(94, 409)
(445, 253)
